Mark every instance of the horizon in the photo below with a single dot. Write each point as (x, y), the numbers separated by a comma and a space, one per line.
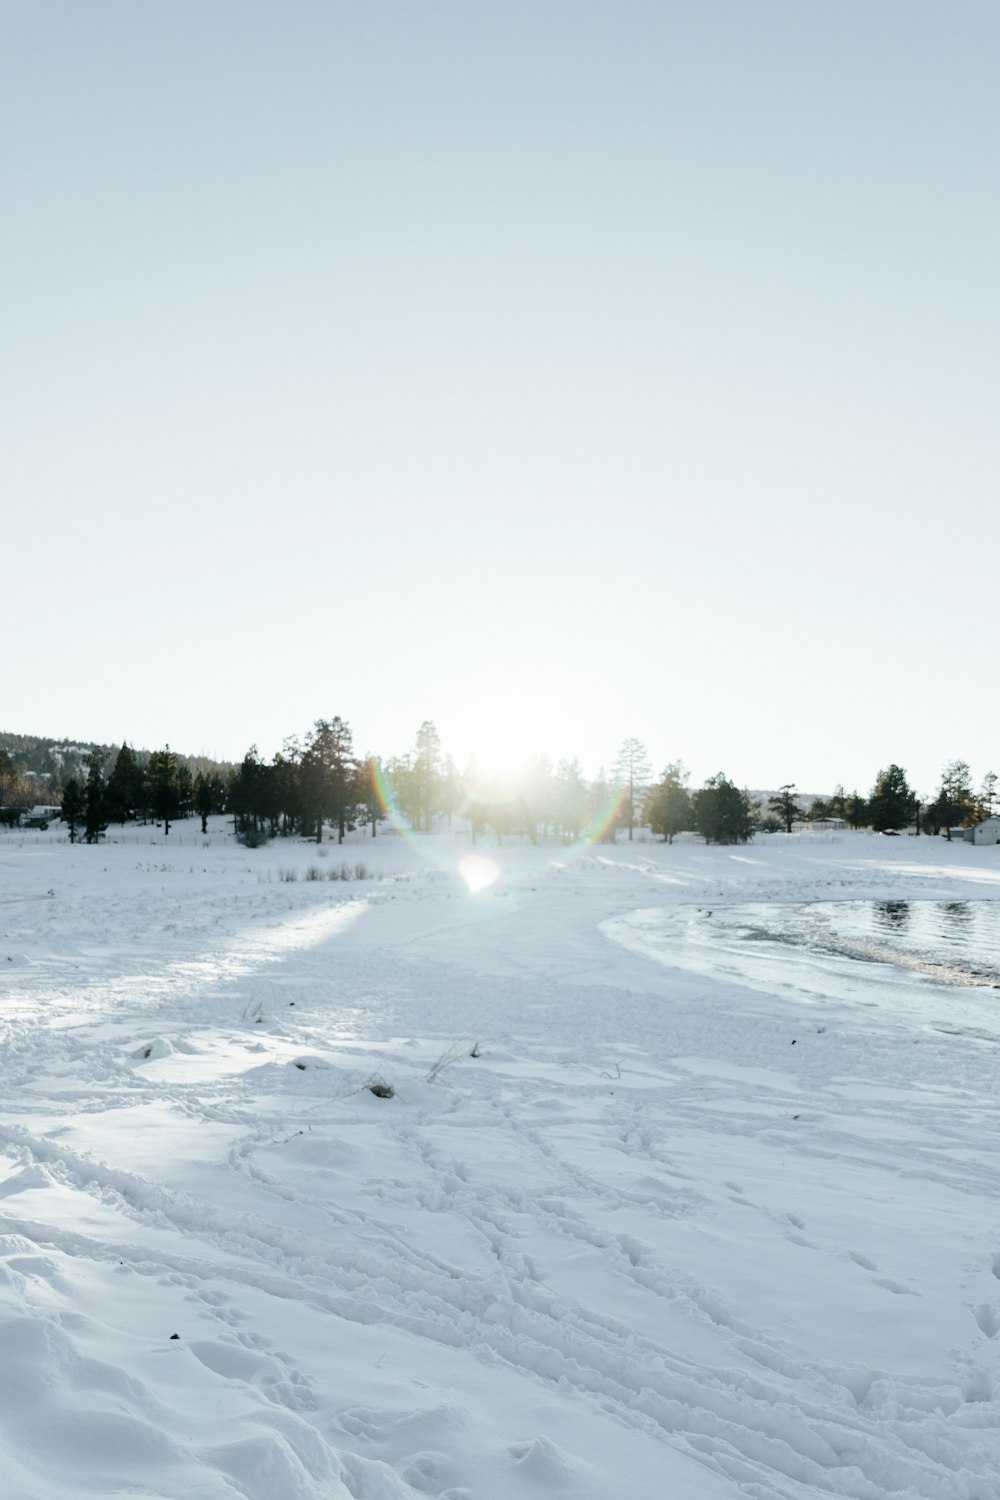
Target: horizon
(511, 770)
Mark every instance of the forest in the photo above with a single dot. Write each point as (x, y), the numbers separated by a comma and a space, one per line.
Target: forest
(319, 787)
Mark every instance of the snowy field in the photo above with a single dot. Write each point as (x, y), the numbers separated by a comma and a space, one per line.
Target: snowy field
(712, 1212)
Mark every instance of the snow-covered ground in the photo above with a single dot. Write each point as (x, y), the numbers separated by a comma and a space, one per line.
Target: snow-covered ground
(714, 1211)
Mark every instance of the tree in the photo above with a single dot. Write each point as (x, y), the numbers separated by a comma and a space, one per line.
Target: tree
(569, 799)
(837, 805)
(892, 804)
(126, 786)
(784, 805)
(425, 776)
(16, 792)
(204, 799)
(988, 795)
(72, 806)
(856, 809)
(95, 819)
(632, 771)
(722, 813)
(369, 798)
(328, 770)
(669, 806)
(603, 809)
(451, 792)
(955, 803)
(250, 795)
(161, 776)
(537, 796)
(185, 790)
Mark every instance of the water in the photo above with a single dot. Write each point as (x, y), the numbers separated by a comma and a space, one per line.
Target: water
(954, 942)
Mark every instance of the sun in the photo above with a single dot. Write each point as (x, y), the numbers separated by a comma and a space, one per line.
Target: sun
(502, 742)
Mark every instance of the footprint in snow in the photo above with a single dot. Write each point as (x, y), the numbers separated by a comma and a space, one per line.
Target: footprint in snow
(986, 1316)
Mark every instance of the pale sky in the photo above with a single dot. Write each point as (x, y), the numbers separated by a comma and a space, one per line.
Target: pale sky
(557, 371)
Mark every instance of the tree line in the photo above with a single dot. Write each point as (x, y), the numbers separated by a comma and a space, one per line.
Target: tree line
(319, 784)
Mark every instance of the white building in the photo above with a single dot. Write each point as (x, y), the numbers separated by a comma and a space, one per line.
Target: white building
(986, 832)
(40, 816)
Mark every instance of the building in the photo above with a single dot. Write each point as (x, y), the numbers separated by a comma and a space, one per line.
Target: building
(40, 817)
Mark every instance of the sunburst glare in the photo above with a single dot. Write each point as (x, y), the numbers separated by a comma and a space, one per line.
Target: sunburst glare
(478, 871)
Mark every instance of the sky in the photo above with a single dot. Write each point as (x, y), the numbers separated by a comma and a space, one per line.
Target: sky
(557, 372)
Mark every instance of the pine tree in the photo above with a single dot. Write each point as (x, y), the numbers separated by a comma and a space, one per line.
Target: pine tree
(570, 795)
(73, 805)
(126, 791)
(722, 813)
(856, 809)
(161, 773)
(988, 794)
(670, 803)
(955, 803)
(603, 811)
(95, 819)
(425, 775)
(368, 797)
(632, 771)
(537, 796)
(892, 804)
(784, 804)
(328, 773)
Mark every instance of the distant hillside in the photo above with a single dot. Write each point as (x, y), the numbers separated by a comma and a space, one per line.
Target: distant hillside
(54, 761)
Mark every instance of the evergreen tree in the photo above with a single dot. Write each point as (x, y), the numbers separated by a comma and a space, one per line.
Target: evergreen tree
(670, 803)
(451, 788)
(837, 805)
(988, 795)
(204, 799)
(161, 775)
(425, 776)
(73, 805)
(185, 790)
(95, 819)
(570, 799)
(722, 813)
(632, 771)
(329, 776)
(603, 811)
(367, 797)
(955, 804)
(784, 805)
(248, 793)
(126, 790)
(892, 804)
(856, 809)
(537, 796)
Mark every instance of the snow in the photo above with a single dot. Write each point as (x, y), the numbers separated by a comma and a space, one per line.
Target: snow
(712, 1213)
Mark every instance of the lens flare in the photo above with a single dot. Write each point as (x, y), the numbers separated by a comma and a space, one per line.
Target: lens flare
(478, 871)
(494, 807)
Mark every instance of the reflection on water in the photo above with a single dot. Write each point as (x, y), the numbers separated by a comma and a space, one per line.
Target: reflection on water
(965, 934)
